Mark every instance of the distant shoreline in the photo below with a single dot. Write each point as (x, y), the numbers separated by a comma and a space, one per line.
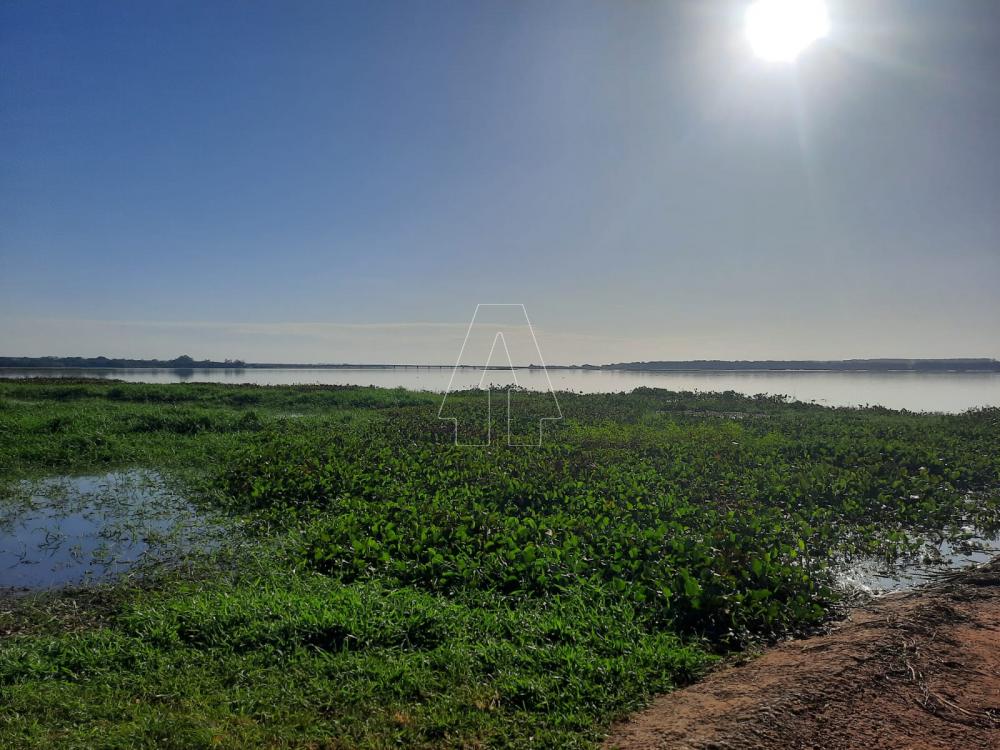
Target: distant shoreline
(922, 366)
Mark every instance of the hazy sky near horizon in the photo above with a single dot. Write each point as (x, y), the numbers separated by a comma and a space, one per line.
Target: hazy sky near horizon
(346, 181)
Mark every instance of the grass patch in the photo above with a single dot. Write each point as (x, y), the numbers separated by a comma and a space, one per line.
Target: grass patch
(397, 590)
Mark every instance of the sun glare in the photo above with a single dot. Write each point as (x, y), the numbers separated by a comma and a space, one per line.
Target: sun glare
(779, 30)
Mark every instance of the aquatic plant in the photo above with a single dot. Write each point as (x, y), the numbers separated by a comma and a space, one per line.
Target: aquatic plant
(394, 588)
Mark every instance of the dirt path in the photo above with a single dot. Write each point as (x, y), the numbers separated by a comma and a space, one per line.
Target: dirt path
(919, 671)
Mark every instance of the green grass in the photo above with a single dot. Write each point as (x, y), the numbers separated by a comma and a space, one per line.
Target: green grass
(391, 589)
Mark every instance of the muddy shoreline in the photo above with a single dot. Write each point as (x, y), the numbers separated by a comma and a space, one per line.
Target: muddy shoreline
(918, 670)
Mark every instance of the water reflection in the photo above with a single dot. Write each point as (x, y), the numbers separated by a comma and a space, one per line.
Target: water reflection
(75, 530)
(942, 392)
(871, 577)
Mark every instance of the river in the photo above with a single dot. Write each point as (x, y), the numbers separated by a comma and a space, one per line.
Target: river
(944, 392)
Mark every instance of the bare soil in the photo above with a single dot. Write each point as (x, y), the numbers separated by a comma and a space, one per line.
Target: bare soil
(918, 670)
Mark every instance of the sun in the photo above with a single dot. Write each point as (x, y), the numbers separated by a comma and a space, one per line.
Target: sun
(780, 30)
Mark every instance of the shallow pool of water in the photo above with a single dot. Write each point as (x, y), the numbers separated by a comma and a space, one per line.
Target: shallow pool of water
(875, 578)
(76, 530)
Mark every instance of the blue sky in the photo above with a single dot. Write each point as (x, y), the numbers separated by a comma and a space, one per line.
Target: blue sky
(335, 181)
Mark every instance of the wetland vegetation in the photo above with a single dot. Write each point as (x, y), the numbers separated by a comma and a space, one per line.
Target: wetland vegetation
(380, 586)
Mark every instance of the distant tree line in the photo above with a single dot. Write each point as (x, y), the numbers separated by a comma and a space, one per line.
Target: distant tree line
(183, 362)
(841, 365)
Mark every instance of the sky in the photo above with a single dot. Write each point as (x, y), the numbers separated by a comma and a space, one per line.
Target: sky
(347, 181)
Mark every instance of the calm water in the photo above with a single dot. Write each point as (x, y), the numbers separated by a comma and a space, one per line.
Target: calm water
(875, 577)
(80, 529)
(948, 392)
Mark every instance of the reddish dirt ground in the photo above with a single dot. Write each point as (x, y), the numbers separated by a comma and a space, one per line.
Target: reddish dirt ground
(919, 671)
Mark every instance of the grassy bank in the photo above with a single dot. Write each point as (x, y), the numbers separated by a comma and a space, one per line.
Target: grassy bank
(391, 588)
